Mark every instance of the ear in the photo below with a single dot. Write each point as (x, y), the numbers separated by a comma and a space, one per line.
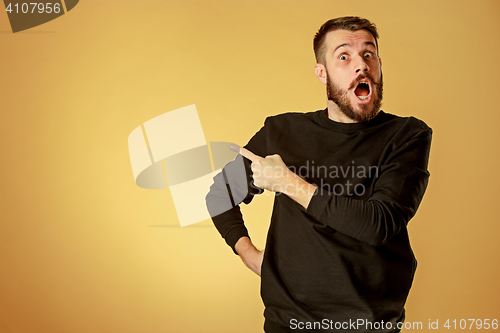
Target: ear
(320, 71)
(380, 61)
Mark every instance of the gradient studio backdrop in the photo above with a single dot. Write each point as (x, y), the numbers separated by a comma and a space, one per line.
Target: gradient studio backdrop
(85, 250)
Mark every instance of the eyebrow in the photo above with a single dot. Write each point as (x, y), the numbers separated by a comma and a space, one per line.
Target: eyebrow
(347, 44)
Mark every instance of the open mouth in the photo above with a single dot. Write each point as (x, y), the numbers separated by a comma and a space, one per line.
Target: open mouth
(362, 90)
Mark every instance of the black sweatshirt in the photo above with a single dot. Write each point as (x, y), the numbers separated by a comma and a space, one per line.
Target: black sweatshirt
(344, 264)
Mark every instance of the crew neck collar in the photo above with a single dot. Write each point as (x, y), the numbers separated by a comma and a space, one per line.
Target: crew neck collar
(348, 127)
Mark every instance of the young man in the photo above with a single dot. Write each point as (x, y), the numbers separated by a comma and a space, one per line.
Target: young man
(347, 179)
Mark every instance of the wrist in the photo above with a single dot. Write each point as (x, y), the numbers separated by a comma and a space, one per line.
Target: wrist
(298, 189)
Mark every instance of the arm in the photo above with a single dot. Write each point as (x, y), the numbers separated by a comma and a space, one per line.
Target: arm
(229, 189)
(249, 254)
(222, 202)
(396, 195)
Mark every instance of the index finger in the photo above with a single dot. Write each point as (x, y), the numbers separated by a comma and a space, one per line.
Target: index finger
(246, 153)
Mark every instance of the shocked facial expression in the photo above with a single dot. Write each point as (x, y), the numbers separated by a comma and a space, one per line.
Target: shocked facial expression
(352, 74)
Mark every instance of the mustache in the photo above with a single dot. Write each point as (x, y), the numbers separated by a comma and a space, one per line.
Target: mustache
(356, 81)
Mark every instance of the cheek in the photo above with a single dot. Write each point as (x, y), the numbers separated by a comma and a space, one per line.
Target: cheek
(377, 69)
(342, 82)
(340, 78)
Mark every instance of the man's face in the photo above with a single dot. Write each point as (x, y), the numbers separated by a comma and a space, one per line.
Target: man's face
(353, 73)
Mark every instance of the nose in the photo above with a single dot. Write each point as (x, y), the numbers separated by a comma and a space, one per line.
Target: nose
(361, 66)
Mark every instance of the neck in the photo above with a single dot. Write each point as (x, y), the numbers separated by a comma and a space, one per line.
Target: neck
(335, 114)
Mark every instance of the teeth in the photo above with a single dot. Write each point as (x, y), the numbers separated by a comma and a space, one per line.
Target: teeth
(362, 97)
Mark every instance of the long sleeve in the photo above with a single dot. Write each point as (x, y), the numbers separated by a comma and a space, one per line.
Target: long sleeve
(396, 195)
(231, 187)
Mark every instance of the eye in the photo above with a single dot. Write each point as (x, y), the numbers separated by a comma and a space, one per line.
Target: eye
(368, 55)
(343, 57)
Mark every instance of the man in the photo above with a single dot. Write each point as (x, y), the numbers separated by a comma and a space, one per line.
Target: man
(347, 181)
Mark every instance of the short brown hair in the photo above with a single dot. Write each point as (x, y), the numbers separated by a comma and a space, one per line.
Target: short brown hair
(352, 23)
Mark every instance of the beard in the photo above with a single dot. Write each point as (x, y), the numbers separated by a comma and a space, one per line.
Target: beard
(339, 97)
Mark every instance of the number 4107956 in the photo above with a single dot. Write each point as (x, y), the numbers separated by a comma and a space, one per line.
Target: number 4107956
(35, 8)
(472, 323)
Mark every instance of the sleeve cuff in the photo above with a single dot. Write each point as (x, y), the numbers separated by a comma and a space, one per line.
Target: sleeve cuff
(318, 203)
(234, 235)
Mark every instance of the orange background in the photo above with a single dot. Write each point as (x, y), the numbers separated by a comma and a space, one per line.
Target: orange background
(83, 249)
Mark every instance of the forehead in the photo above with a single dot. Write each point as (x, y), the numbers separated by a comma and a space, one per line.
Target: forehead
(352, 39)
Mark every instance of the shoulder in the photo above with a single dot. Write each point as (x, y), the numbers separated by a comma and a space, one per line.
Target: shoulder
(411, 125)
(407, 131)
